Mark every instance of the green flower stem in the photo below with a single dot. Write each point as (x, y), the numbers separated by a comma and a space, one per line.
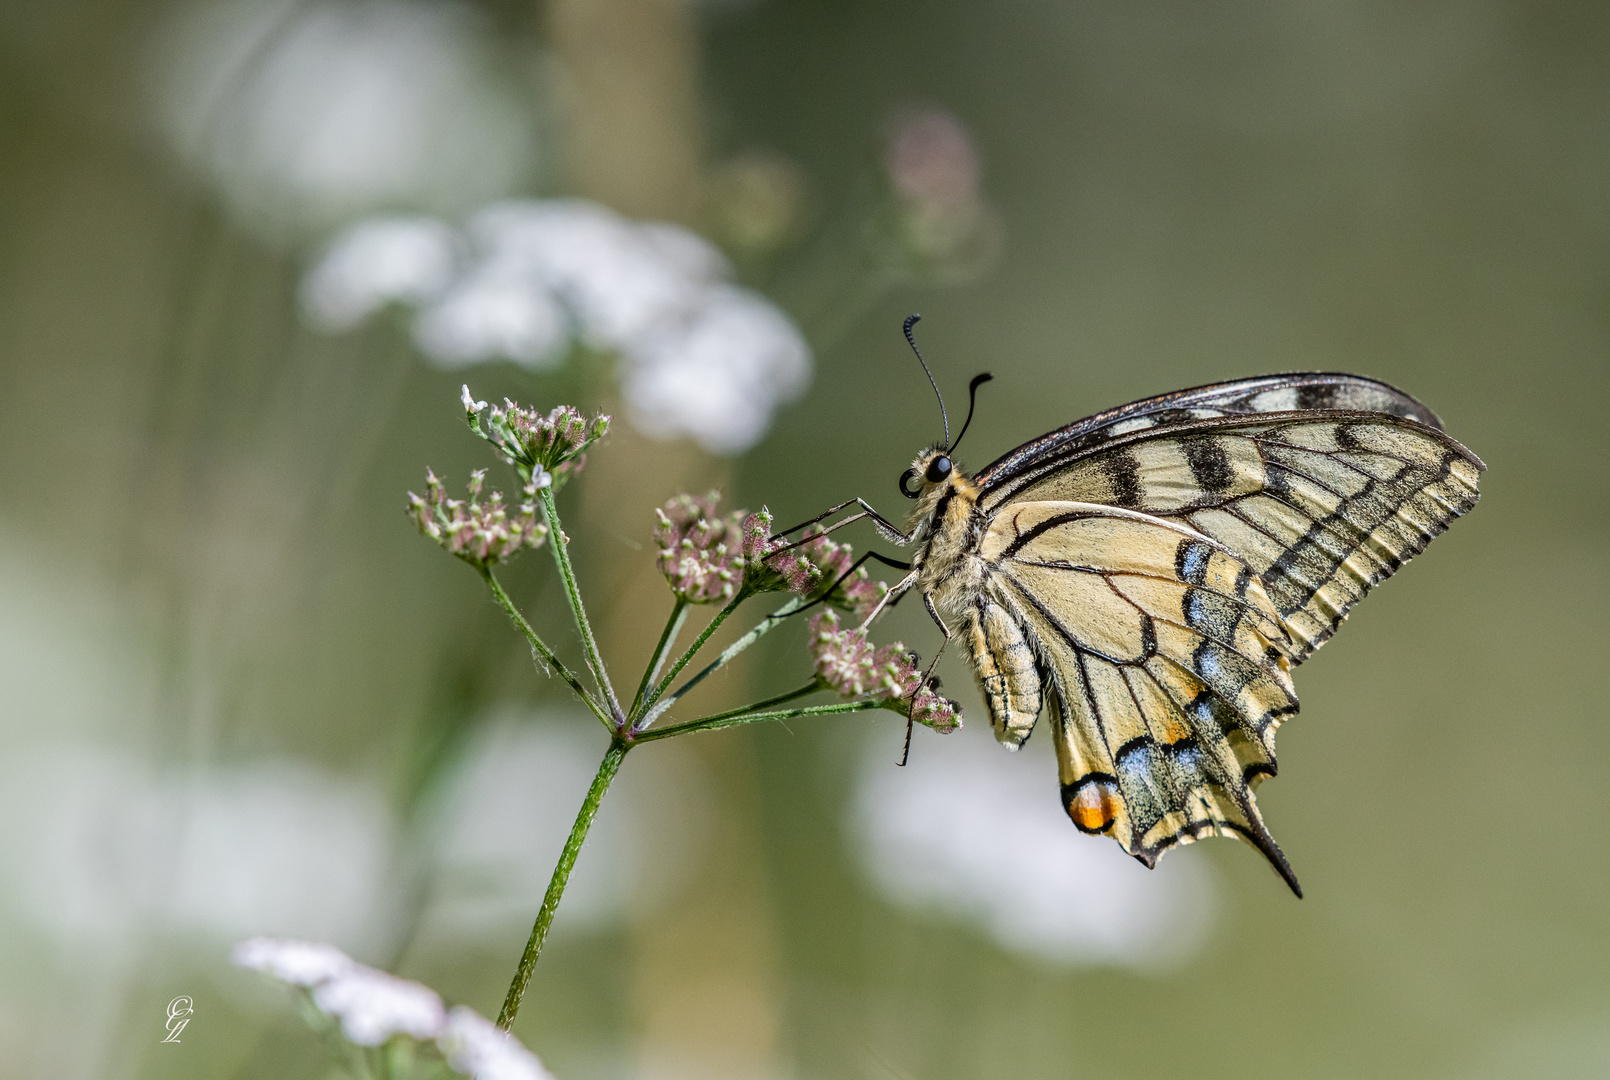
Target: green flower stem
(687, 656)
(542, 650)
(721, 720)
(727, 654)
(781, 699)
(589, 645)
(673, 627)
(561, 875)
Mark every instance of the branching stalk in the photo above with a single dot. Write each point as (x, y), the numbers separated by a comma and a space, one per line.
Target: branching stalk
(687, 656)
(731, 651)
(556, 541)
(542, 650)
(561, 875)
(673, 627)
(722, 720)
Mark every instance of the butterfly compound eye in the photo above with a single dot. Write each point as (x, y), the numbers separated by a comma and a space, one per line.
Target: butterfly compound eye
(938, 469)
(905, 479)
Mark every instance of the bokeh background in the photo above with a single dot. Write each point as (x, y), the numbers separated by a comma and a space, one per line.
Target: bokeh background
(239, 695)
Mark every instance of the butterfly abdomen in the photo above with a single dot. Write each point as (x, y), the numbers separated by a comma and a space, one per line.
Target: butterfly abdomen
(1008, 675)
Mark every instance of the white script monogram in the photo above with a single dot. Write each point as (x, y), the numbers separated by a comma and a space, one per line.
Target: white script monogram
(179, 1010)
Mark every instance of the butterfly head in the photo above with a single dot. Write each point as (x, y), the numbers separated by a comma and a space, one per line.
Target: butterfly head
(934, 475)
(932, 471)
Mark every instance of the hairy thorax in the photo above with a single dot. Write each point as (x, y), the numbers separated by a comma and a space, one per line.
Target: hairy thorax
(952, 526)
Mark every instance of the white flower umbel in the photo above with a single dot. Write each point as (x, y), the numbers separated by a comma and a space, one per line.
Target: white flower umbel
(494, 312)
(701, 358)
(306, 113)
(619, 278)
(300, 963)
(373, 1006)
(379, 261)
(719, 374)
(477, 1047)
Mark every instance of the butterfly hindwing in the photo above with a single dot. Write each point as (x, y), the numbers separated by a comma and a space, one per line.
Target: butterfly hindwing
(1321, 504)
(1165, 664)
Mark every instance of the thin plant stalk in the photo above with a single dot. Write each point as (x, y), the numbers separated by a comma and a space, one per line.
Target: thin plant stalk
(740, 716)
(561, 557)
(726, 657)
(542, 650)
(673, 627)
(561, 876)
(781, 699)
(687, 656)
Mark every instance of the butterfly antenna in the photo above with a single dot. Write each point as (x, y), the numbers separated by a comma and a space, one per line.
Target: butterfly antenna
(911, 320)
(972, 399)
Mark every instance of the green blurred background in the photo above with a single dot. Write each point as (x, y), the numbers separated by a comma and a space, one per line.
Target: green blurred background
(238, 693)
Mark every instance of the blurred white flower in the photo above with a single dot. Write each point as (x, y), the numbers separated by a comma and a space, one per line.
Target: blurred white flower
(102, 849)
(374, 1006)
(303, 114)
(477, 1047)
(494, 313)
(719, 373)
(978, 833)
(300, 963)
(619, 278)
(379, 261)
(701, 357)
(371, 1005)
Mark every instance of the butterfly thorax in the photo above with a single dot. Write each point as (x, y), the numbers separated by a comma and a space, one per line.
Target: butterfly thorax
(949, 525)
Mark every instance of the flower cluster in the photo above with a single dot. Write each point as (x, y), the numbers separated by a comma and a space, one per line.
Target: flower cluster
(708, 558)
(847, 663)
(373, 1007)
(483, 534)
(702, 555)
(544, 449)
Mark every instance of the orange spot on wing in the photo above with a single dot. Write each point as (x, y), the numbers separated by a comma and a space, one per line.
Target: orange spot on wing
(1094, 807)
(1172, 729)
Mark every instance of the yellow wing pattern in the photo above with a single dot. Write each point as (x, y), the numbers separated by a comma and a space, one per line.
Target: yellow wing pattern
(1321, 505)
(1165, 662)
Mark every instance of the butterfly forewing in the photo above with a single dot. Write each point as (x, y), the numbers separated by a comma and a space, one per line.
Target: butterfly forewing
(1322, 505)
(1304, 392)
(1163, 658)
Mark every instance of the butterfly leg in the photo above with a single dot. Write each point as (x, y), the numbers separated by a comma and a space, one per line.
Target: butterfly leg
(896, 591)
(842, 578)
(890, 531)
(911, 716)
